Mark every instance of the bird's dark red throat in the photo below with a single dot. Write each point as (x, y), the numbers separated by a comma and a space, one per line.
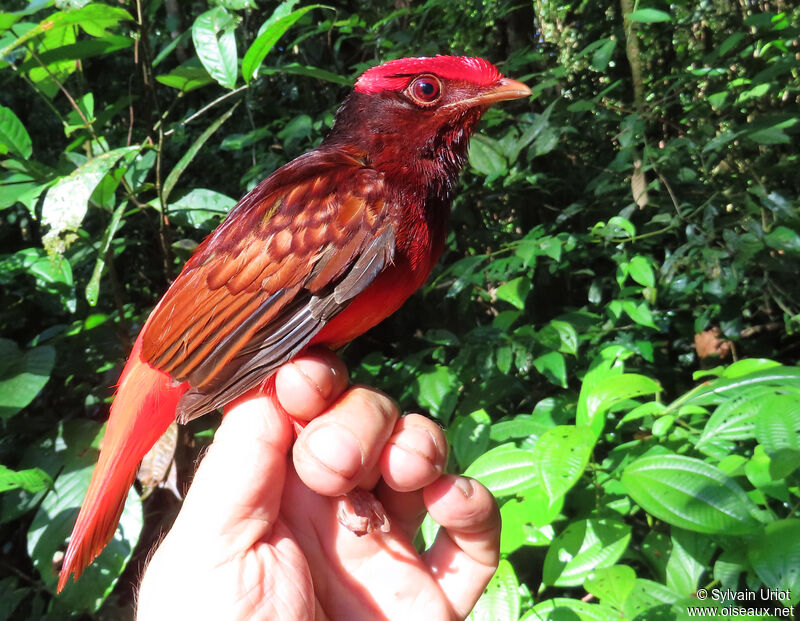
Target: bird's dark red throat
(318, 253)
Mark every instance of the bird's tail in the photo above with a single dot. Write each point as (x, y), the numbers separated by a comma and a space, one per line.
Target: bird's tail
(143, 408)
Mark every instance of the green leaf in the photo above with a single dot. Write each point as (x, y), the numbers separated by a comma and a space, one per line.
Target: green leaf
(307, 70)
(95, 19)
(67, 201)
(22, 375)
(191, 152)
(93, 286)
(777, 429)
(470, 437)
(649, 16)
(611, 585)
(505, 470)
(214, 37)
(688, 560)
(553, 366)
(609, 392)
(641, 271)
(565, 609)
(603, 54)
(783, 239)
(31, 480)
(14, 137)
(187, 77)
(561, 455)
(515, 291)
(584, 546)
(690, 494)
(436, 389)
(486, 156)
(775, 557)
(652, 600)
(201, 209)
(273, 30)
(56, 515)
(501, 600)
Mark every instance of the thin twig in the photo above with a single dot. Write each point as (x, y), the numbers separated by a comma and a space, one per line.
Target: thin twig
(207, 107)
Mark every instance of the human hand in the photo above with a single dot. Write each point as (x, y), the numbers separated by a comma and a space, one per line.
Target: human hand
(258, 536)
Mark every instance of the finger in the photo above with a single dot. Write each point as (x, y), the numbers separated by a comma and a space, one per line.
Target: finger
(307, 385)
(235, 495)
(340, 450)
(466, 551)
(414, 457)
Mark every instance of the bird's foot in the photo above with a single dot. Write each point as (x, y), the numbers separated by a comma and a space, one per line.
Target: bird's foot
(361, 513)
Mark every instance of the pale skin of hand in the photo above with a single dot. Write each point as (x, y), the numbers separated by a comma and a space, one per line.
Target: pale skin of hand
(258, 537)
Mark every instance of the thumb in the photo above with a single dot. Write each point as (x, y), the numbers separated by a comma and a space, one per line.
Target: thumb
(235, 496)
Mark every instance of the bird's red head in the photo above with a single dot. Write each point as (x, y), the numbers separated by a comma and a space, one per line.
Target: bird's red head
(414, 116)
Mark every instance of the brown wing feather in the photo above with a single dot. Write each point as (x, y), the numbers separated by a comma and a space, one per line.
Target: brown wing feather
(259, 287)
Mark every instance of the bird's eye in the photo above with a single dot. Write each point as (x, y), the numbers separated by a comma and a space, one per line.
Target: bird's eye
(425, 90)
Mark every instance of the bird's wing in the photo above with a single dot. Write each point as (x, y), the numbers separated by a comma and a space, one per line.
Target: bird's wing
(294, 253)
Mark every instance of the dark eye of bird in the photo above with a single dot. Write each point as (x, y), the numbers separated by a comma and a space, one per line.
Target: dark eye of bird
(425, 90)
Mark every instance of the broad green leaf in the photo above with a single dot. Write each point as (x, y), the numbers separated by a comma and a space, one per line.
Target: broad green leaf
(79, 51)
(67, 201)
(505, 470)
(214, 37)
(553, 366)
(486, 156)
(14, 137)
(436, 389)
(501, 600)
(566, 609)
(691, 494)
(201, 209)
(95, 19)
(56, 515)
(584, 546)
(782, 378)
(187, 77)
(608, 393)
(690, 555)
(22, 375)
(515, 291)
(641, 271)
(777, 429)
(652, 600)
(649, 16)
(267, 39)
(561, 455)
(31, 479)
(775, 557)
(470, 437)
(783, 239)
(611, 585)
(191, 152)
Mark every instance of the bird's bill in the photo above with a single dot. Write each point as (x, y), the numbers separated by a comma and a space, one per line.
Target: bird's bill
(505, 89)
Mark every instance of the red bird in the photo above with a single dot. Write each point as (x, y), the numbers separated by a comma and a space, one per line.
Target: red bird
(318, 253)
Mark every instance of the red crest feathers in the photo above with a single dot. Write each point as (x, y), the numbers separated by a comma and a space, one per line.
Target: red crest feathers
(396, 74)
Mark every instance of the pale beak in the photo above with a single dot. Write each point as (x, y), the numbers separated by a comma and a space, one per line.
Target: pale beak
(505, 89)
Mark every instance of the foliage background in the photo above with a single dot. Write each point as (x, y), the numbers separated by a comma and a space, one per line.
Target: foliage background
(609, 339)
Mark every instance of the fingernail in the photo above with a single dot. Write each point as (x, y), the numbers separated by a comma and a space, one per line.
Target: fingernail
(337, 450)
(318, 375)
(465, 486)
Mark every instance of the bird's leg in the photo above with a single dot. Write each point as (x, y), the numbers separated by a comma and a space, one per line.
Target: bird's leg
(361, 513)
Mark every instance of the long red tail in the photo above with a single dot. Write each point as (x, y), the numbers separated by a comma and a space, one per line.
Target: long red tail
(143, 408)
